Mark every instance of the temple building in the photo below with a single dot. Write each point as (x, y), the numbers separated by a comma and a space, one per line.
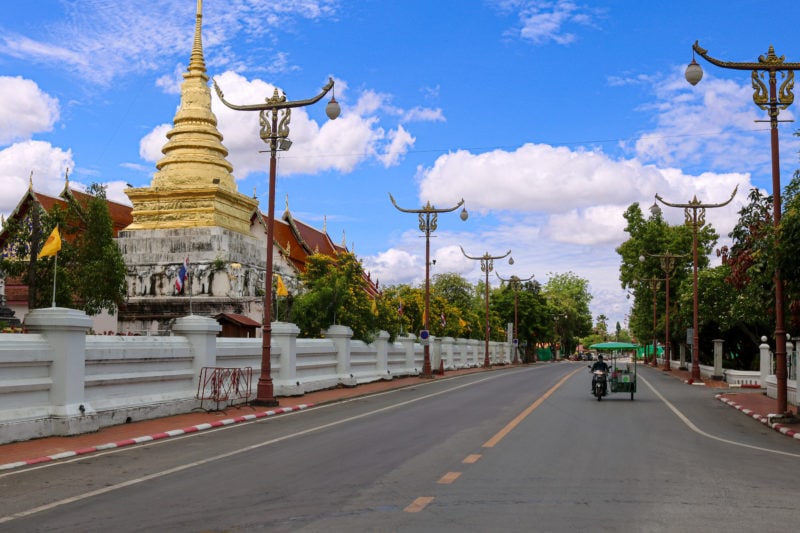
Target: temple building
(193, 217)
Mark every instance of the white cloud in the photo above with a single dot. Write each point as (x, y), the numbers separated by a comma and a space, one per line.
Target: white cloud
(713, 123)
(150, 145)
(171, 83)
(341, 144)
(400, 142)
(88, 41)
(26, 110)
(424, 114)
(48, 164)
(114, 192)
(543, 21)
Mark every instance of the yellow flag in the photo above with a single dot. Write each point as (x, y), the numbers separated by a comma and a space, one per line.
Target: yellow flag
(282, 290)
(52, 245)
(461, 322)
(374, 307)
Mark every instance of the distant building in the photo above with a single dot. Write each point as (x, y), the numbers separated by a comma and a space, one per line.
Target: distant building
(192, 213)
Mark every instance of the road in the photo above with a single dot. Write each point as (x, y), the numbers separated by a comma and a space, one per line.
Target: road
(518, 449)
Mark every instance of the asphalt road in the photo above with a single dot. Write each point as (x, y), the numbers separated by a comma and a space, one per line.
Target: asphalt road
(519, 449)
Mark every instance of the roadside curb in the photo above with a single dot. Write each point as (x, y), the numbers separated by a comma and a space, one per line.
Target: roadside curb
(789, 432)
(157, 436)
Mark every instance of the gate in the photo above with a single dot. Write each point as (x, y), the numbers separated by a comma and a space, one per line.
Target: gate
(229, 385)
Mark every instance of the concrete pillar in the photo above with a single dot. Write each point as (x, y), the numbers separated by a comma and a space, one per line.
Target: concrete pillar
(284, 336)
(476, 348)
(382, 354)
(65, 331)
(718, 375)
(447, 351)
(408, 342)
(764, 362)
(682, 352)
(462, 353)
(341, 335)
(436, 353)
(201, 333)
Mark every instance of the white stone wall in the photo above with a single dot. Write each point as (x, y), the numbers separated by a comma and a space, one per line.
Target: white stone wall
(59, 380)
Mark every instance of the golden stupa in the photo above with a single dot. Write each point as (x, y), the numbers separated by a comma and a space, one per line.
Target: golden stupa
(193, 186)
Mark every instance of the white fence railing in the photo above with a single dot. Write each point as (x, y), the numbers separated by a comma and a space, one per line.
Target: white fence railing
(57, 380)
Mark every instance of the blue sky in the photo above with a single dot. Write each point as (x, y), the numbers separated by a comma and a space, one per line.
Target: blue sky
(548, 117)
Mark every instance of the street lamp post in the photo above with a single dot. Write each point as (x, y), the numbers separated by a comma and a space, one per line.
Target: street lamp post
(654, 284)
(274, 117)
(668, 266)
(771, 100)
(516, 284)
(695, 217)
(428, 222)
(487, 265)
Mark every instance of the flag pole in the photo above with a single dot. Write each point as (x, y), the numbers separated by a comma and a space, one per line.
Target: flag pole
(189, 288)
(55, 270)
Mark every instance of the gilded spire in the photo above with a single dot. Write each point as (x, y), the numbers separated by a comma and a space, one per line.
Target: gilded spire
(196, 61)
(30, 181)
(193, 186)
(194, 156)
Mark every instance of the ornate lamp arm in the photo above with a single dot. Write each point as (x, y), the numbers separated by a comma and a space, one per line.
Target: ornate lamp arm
(271, 103)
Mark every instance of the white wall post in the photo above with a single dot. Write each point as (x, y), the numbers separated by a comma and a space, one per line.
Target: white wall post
(462, 350)
(408, 344)
(284, 336)
(436, 354)
(341, 336)
(447, 351)
(717, 359)
(765, 358)
(201, 334)
(65, 331)
(382, 354)
(682, 352)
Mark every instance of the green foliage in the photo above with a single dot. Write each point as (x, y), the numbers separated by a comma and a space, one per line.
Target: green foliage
(336, 294)
(90, 271)
(100, 279)
(788, 245)
(568, 300)
(533, 321)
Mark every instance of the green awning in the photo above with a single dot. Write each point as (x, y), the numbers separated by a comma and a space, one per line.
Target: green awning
(613, 346)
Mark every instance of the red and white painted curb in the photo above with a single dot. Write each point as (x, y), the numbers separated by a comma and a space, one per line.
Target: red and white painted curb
(157, 436)
(761, 418)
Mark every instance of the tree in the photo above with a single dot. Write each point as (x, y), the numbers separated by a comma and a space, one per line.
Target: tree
(335, 293)
(91, 272)
(99, 267)
(568, 299)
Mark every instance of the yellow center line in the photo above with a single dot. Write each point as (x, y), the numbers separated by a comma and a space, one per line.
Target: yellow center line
(472, 458)
(449, 478)
(520, 417)
(419, 504)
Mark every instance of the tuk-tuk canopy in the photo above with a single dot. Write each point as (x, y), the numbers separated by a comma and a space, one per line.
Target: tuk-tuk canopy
(613, 346)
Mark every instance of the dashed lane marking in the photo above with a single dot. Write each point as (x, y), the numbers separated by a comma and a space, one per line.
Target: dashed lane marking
(449, 478)
(472, 458)
(419, 504)
(520, 417)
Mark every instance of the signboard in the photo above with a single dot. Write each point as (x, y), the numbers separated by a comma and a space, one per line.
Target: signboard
(424, 337)
(689, 335)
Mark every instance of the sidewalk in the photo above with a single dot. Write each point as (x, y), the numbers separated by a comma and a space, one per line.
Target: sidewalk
(752, 402)
(17, 454)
